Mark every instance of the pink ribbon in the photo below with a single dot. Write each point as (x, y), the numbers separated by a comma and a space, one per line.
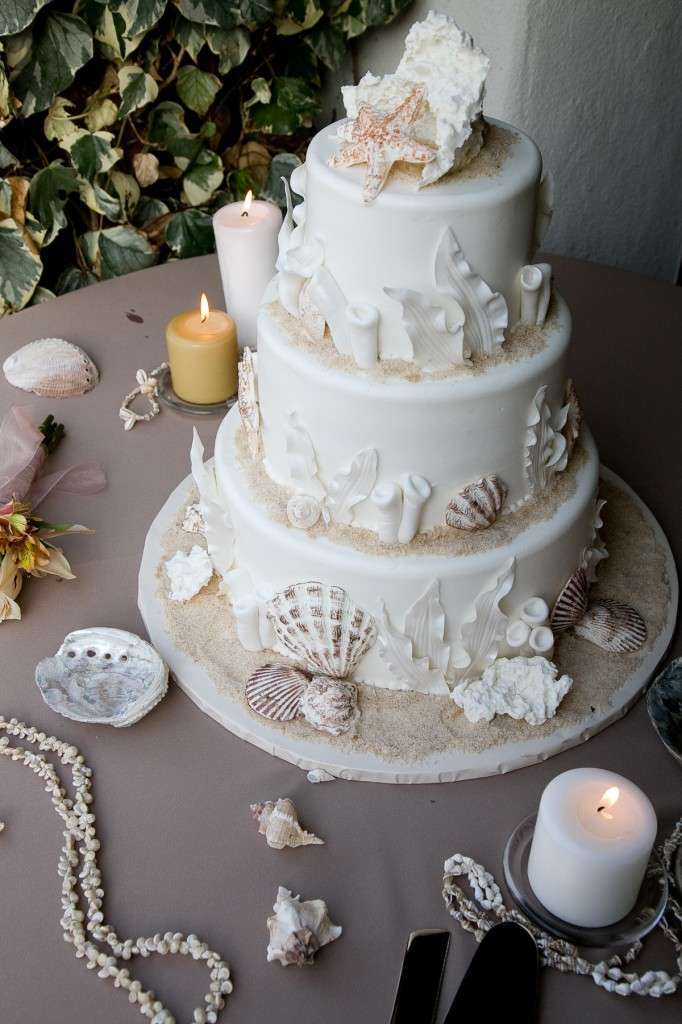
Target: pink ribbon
(22, 456)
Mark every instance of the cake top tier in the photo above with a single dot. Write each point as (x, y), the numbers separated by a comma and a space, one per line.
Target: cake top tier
(428, 113)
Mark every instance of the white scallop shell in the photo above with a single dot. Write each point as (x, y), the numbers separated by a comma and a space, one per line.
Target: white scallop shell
(571, 604)
(52, 368)
(303, 511)
(279, 823)
(613, 626)
(298, 929)
(330, 705)
(321, 628)
(478, 505)
(103, 676)
(274, 691)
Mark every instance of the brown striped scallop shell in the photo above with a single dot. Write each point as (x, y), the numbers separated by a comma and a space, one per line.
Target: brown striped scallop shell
(613, 626)
(571, 604)
(574, 417)
(477, 505)
(321, 628)
(275, 690)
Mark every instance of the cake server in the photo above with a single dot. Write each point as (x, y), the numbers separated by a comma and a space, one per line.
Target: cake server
(416, 999)
(501, 981)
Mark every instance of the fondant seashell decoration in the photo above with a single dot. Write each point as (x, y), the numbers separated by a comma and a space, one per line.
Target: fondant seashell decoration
(613, 626)
(321, 628)
(303, 511)
(279, 823)
(571, 604)
(247, 400)
(478, 505)
(51, 368)
(274, 691)
(330, 705)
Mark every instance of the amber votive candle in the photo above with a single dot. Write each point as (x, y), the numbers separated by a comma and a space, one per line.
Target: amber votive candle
(203, 354)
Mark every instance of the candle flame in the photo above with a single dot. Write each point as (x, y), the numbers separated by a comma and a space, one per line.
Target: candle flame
(607, 801)
(248, 199)
(203, 308)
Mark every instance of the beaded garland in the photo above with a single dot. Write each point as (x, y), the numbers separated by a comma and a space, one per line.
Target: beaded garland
(557, 953)
(81, 878)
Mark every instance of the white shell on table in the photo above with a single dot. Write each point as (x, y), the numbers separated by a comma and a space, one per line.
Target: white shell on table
(298, 929)
(51, 368)
(188, 573)
(571, 604)
(303, 511)
(478, 505)
(316, 775)
(103, 676)
(330, 705)
(613, 626)
(321, 628)
(275, 690)
(279, 823)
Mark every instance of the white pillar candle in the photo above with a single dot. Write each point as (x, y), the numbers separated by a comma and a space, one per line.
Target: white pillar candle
(246, 243)
(593, 837)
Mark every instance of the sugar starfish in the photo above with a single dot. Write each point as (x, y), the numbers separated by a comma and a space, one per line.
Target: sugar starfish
(379, 140)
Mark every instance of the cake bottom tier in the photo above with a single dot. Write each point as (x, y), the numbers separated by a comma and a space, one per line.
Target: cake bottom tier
(537, 562)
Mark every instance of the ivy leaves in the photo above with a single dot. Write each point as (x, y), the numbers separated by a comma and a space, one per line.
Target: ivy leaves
(124, 124)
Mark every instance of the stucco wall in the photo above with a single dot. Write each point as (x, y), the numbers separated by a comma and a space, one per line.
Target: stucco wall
(597, 85)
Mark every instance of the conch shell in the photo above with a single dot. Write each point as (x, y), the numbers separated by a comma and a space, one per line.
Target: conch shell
(51, 368)
(298, 929)
(330, 705)
(279, 823)
(478, 505)
(320, 627)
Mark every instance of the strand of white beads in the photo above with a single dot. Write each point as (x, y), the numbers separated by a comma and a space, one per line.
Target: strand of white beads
(81, 878)
(555, 952)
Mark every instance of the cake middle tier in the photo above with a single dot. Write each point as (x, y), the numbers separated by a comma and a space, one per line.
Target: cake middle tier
(444, 433)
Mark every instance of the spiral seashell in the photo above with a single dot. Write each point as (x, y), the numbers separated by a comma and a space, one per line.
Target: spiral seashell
(330, 705)
(613, 626)
(275, 690)
(279, 823)
(320, 627)
(51, 368)
(303, 511)
(478, 505)
(571, 604)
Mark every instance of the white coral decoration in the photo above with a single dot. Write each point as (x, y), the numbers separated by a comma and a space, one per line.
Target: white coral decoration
(437, 340)
(351, 486)
(481, 636)
(217, 522)
(418, 656)
(546, 450)
(302, 460)
(452, 70)
(596, 551)
(188, 573)
(298, 929)
(523, 688)
(485, 311)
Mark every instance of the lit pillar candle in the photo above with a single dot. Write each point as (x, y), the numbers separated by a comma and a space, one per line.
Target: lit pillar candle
(202, 353)
(591, 845)
(246, 243)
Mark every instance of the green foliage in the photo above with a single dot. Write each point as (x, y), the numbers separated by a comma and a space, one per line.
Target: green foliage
(125, 123)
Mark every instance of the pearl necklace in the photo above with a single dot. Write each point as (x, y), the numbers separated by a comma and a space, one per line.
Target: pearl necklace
(81, 878)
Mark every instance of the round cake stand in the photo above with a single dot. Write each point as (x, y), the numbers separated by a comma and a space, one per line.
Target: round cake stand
(314, 752)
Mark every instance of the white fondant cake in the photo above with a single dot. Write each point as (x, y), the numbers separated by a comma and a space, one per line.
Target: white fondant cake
(405, 487)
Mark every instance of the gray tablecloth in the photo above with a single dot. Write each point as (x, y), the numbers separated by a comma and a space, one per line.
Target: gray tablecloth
(172, 794)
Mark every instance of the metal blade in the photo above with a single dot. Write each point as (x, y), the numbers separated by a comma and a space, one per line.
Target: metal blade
(502, 979)
(416, 999)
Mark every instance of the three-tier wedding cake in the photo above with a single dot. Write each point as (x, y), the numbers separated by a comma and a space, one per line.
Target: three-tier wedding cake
(406, 496)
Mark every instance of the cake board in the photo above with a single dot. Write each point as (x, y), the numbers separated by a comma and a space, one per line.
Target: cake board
(315, 750)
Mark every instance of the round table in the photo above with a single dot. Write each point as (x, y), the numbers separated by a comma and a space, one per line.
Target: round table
(179, 848)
